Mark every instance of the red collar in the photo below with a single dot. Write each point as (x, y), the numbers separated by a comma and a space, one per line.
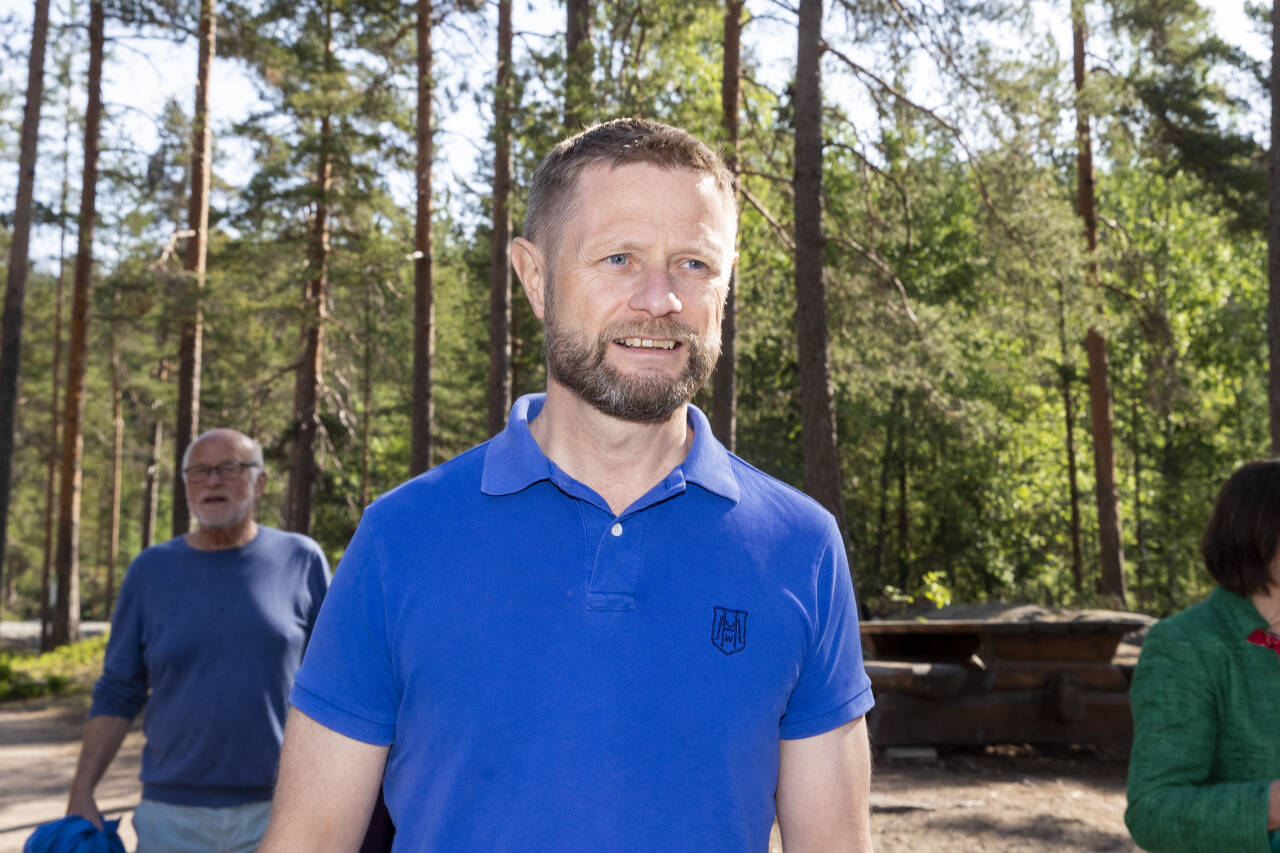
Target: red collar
(1261, 638)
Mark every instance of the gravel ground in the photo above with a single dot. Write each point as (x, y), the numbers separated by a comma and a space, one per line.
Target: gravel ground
(998, 800)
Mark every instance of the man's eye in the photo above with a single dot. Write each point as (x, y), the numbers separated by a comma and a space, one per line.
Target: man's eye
(695, 265)
(617, 260)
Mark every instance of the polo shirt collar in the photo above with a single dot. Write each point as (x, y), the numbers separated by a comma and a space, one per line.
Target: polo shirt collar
(513, 461)
(1242, 617)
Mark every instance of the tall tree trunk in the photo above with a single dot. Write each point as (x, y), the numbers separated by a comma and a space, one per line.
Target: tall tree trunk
(66, 619)
(424, 308)
(366, 397)
(1273, 234)
(724, 392)
(55, 371)
(117, 463)
(500, 256)
(191, 344)
(151, 491)
(306, 395)
(818, 417)
(302, 470)
(1139, 532)
(1110, 542)
(579, 60)
(19, 249)
(1066, 375)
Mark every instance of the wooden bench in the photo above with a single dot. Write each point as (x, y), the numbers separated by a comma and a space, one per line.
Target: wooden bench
(953, 682)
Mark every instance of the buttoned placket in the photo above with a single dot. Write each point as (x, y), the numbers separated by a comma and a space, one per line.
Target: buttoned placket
(614, 545)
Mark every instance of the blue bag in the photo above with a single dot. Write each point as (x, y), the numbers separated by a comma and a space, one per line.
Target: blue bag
(74, 834)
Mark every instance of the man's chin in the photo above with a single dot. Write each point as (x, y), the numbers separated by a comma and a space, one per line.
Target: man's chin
(217, 522)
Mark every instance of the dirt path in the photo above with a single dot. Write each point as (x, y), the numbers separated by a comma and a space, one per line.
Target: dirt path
(39, 744)
(997, 801)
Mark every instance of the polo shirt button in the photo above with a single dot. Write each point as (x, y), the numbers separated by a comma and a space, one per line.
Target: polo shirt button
(616, 530)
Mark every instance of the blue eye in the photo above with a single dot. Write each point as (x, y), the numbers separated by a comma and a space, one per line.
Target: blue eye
(617, 259)
(695, 265)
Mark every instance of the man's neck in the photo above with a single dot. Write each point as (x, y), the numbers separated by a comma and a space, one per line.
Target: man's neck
(619, 459)
(221, 538)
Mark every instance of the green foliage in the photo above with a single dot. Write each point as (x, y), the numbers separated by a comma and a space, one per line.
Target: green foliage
(69, 669)
(954, 271)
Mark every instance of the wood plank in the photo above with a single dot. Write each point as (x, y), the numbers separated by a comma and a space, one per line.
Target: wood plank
(931, 680)
(990, 718)
(1034, 675)
(1095, 647)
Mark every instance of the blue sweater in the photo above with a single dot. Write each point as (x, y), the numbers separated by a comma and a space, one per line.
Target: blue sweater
(208, 642)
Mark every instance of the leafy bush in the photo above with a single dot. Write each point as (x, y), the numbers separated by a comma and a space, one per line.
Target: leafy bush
(67, 669)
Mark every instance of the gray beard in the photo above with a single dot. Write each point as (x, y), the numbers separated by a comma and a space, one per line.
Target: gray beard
(582, 366)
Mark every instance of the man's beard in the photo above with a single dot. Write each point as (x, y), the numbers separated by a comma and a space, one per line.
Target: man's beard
(582, 366)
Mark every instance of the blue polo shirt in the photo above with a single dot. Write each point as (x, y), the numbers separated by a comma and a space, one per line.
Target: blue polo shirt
(550, 676)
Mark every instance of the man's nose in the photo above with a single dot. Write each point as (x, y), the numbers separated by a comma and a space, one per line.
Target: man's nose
(656, 293)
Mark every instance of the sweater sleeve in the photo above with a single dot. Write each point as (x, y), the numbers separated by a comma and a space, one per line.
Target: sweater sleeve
(318, 577)
(121, 691)
(1172, 806)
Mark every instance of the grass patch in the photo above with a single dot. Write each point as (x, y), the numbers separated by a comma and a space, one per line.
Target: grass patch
(65, 670)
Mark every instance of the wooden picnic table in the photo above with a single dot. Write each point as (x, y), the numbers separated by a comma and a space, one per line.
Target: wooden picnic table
(975, 681)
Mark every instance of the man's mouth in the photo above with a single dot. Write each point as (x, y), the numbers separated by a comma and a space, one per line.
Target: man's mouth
(647, 343)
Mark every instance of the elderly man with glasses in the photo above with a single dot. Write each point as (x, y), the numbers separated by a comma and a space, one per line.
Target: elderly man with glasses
(207, 633)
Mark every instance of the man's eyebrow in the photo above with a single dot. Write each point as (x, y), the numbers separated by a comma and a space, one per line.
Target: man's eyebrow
(604, 243)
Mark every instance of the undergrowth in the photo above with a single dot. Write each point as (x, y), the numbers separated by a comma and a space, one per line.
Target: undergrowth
(64, 670)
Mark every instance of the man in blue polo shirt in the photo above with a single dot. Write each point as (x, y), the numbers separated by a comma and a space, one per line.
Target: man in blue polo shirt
(599, 630)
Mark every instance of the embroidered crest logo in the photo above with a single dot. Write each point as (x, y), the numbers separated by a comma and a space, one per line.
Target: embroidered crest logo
(729, 630)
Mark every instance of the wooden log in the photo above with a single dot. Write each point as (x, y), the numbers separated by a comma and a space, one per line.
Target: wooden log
(1035, 675)
(1009, 717)
(930, 680)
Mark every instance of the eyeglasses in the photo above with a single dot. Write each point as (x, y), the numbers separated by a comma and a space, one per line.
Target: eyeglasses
(226, 471)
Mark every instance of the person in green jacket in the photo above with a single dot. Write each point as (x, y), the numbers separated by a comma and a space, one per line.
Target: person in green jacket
(1204, 771)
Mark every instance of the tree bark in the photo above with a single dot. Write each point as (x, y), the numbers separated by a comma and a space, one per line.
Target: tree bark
(1273, 235)
(55, 419)
(500, 255)
(424, 309)
(1066, 373)
(1139, 531)
(366, 397)
(191, 342)
(1110, 541)
(579, 64)
(724, 391)
(66, 620)
(306, 394)
(818, 418)
(19, 251)
(117, 462)
(302, 470)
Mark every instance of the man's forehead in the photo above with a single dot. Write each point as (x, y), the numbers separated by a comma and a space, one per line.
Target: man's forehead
(652, 202)
(704, 183)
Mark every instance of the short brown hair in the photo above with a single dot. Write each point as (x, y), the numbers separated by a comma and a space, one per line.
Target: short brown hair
(1240, 540)
(616, 142)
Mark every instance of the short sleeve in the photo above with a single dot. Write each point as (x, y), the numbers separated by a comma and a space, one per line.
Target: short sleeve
(347, 682)
(833, 687)
(121, 691)
(318, 578)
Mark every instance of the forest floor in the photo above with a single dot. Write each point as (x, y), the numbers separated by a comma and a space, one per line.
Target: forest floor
(994, 800)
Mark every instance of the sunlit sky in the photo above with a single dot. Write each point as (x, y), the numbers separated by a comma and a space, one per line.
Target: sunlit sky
(143, 74)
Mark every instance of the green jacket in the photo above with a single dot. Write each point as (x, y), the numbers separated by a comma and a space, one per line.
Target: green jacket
(1206, 745)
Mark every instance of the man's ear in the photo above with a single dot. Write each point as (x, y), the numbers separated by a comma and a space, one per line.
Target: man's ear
(260, 484)
(531, 269)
